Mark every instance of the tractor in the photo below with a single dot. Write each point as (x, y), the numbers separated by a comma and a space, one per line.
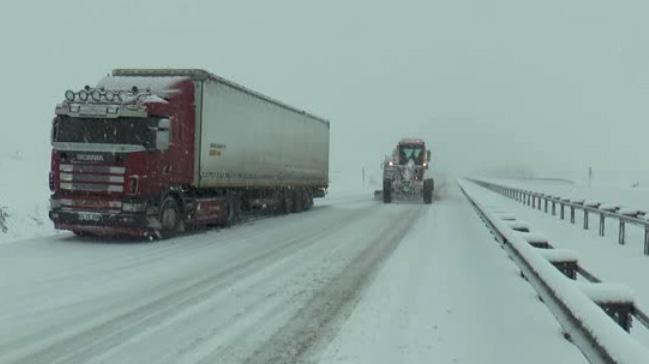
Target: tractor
(405, 173)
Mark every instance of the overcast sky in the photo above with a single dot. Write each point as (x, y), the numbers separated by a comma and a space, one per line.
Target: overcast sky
(552, 85)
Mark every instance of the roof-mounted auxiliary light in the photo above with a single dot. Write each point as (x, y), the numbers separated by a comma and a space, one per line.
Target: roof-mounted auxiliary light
(96, 95)
(70, 95)
(83, 95)
(109, 95)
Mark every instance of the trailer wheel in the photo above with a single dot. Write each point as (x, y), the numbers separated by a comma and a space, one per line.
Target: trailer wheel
(429, 186)
(170, 218)
(298, 201)
(387, 191)
(287, 202)
(234, 210)
(309, 201)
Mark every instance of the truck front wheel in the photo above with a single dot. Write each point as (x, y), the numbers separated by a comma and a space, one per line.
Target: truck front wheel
(170, 217)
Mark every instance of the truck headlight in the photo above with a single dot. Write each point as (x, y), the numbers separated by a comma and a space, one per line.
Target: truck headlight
(134, 206)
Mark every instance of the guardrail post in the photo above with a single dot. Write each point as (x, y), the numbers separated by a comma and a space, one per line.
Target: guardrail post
(572, 214)
(533, 201)
(646, 239)
(586, 219)
(602, 224)
(554, 208)
(563, 214)
(622, 233)
(546, 204)
(621, 313)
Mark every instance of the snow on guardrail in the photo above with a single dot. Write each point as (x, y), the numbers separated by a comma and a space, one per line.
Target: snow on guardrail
(583, 310)
(624, 215)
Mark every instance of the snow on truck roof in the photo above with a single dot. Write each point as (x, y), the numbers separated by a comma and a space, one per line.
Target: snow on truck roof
(163, 79)
(160, 86)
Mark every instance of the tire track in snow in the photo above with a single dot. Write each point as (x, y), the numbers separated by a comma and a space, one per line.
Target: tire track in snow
(86, 342)
(317, 322)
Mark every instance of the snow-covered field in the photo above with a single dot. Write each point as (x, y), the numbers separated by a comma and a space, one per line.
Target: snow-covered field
(351, 281)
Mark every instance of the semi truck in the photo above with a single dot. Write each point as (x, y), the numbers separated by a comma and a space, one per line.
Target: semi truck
(153, 152)
(406, 173)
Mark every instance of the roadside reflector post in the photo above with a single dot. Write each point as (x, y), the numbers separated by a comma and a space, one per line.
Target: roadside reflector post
(622, 233)
(602, 224)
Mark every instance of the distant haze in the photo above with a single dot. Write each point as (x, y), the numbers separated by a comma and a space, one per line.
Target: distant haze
(549, 86)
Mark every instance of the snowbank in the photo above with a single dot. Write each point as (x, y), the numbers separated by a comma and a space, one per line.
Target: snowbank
(24, 196)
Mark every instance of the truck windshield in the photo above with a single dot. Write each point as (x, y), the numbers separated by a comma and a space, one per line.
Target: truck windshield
(132, 131)
(411, 152)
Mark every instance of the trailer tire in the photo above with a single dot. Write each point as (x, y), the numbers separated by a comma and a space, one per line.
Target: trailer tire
(298, 201)
(170, 217)
(387, 191)
(287, 202)
(429, 186)
(309, 201)
(234, 210)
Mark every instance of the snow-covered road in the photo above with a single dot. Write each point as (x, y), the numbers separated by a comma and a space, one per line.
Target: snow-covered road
(350, 281)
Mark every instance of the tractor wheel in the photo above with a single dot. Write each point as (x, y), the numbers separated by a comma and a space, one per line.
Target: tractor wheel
(429, 186)
(387, 191)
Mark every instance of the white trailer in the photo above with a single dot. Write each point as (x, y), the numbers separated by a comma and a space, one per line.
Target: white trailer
(248, 140)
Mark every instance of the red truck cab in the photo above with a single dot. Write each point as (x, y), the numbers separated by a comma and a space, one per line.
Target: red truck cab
(113, 153)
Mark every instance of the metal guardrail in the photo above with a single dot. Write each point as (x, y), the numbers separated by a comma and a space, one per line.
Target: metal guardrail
(543, 201)
(614, 348)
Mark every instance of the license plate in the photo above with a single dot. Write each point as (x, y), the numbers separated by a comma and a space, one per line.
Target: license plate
(89, 217)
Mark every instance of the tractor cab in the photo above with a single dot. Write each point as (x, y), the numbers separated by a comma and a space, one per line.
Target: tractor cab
(412, 151)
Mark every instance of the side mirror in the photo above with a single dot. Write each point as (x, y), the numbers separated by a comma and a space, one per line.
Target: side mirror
(163, 135)
(55, 129)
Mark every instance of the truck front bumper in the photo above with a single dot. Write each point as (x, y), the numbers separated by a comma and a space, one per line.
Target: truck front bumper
(105, 223)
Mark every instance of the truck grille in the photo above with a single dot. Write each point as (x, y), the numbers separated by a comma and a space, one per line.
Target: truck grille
(91, 178)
